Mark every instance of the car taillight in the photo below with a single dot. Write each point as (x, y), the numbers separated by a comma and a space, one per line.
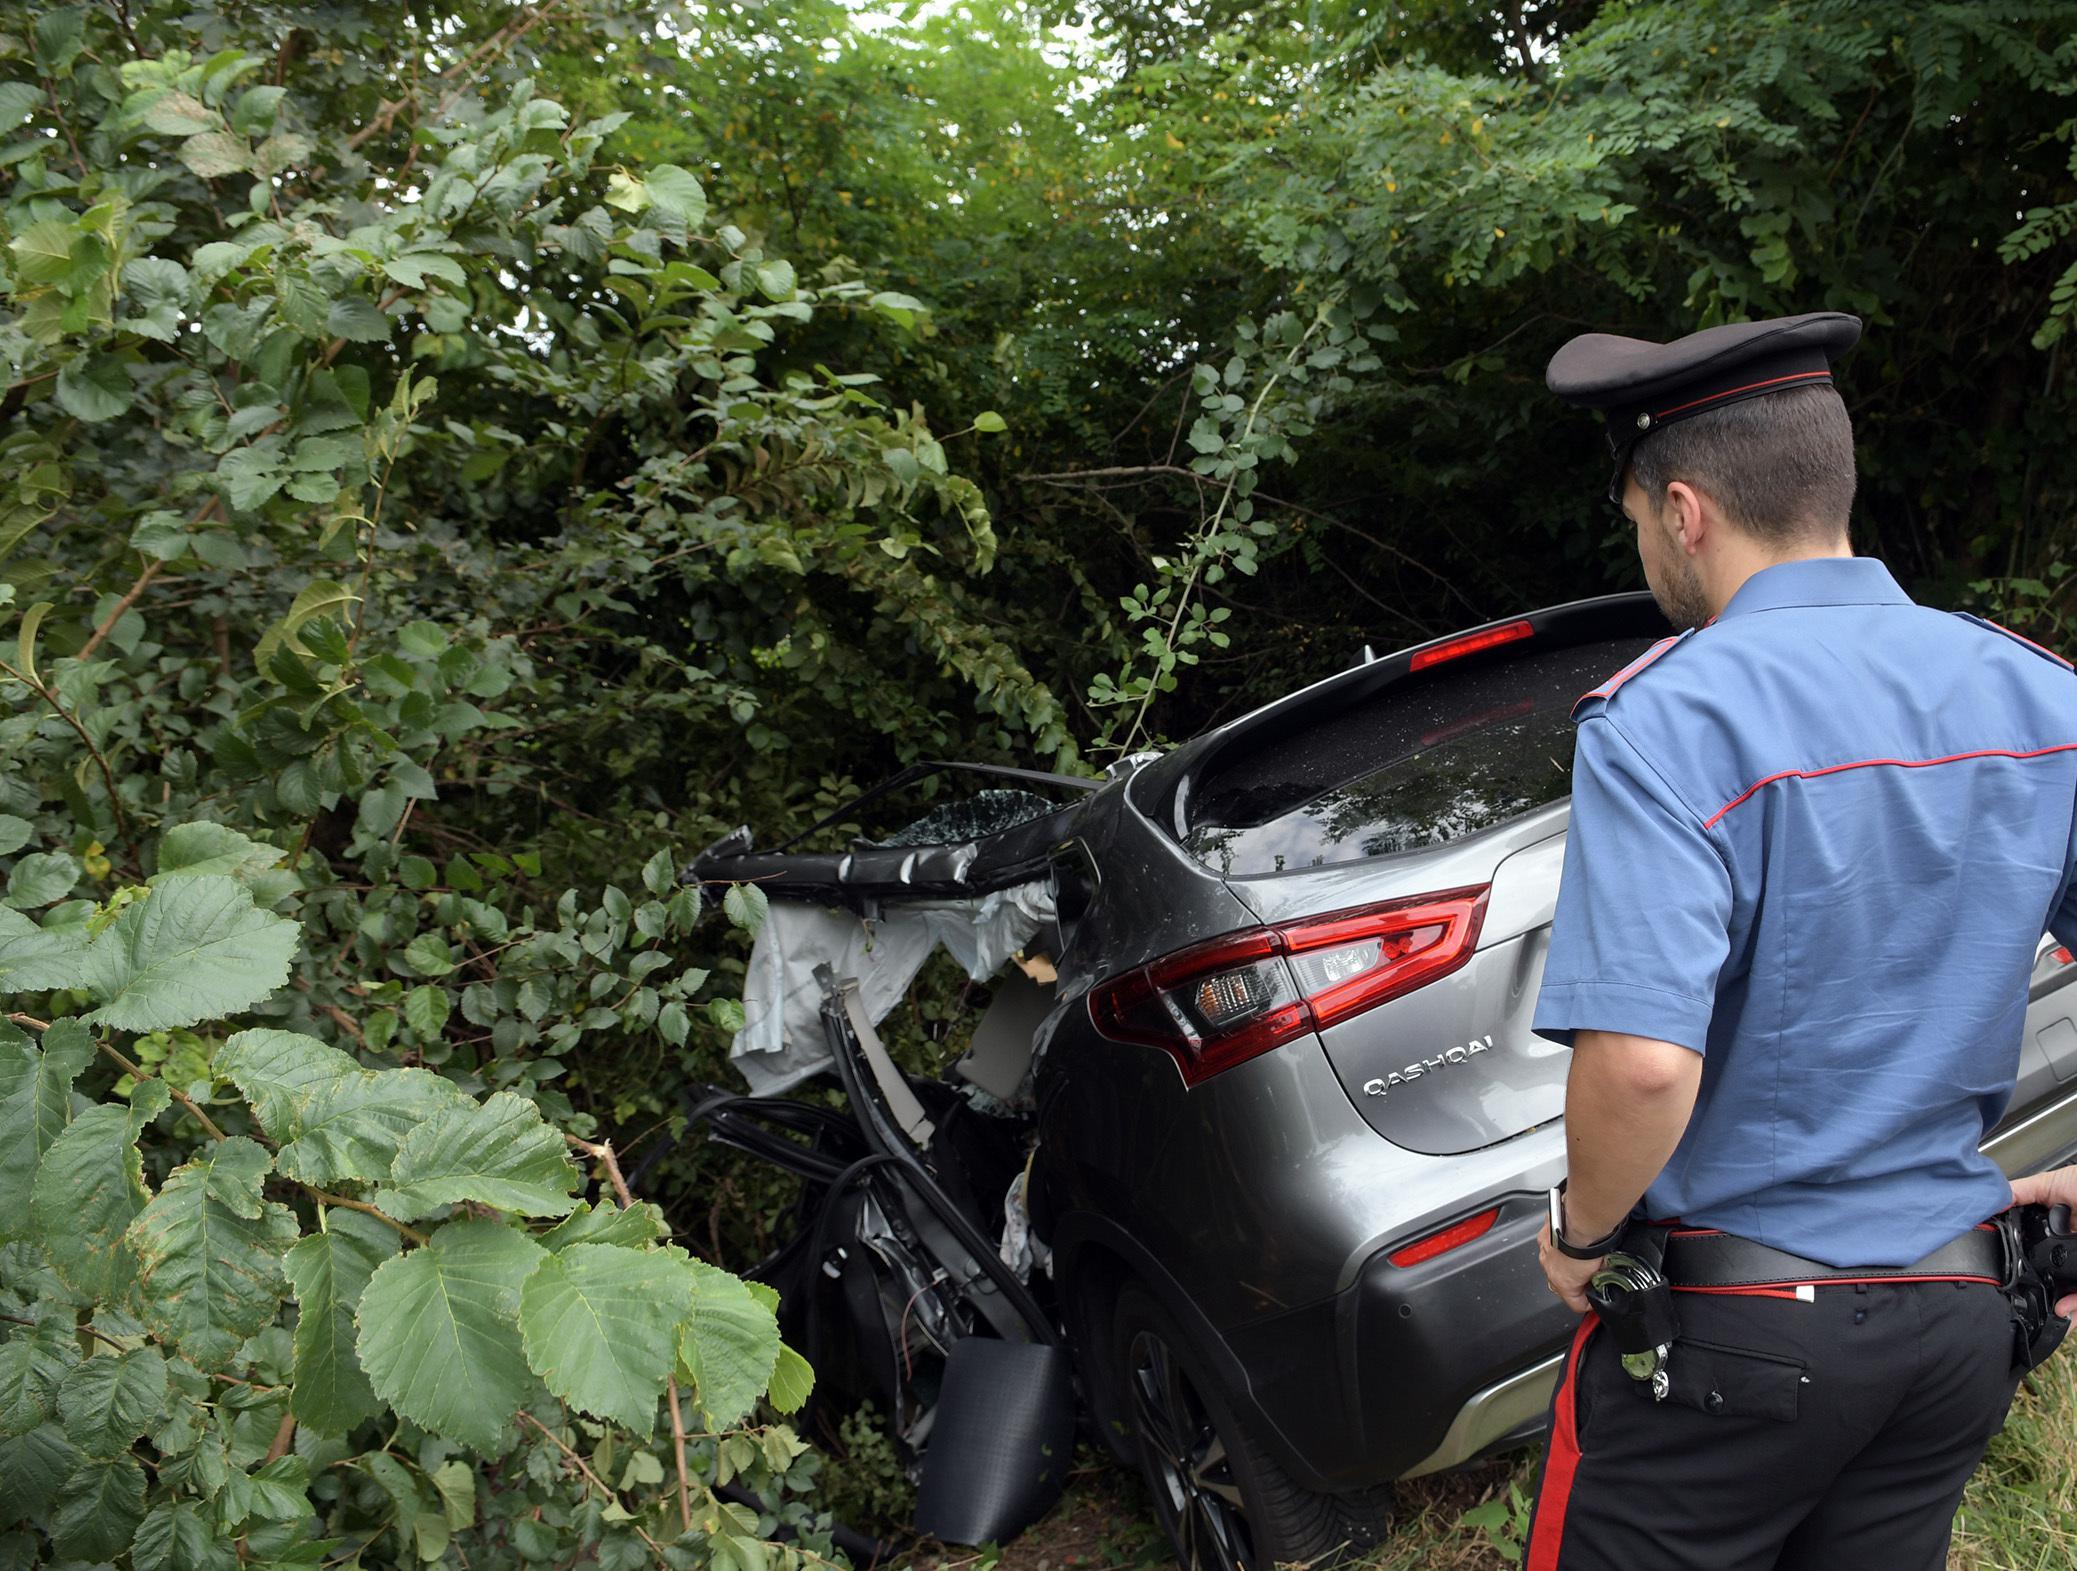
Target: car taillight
(1444, 1240)
(1470, 644)
(1220, 1003)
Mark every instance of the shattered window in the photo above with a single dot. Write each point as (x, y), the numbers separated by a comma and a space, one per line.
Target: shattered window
(975, 818)
(1418, 765)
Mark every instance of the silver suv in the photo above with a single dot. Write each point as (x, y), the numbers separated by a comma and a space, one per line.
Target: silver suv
(1287, 1128)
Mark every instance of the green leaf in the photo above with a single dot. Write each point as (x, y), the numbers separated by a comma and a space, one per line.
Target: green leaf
(354, 1127)
(95, 388)
(194, 949)
(35, 1102)
(176, 114)
(175, 1537)
(729, 1346)
(43, 251)
(746, 906)
(161, 534)
(356, 319)
(35, 960)
(625, 192)
(455, 1483)
(35, 1467)
(606, 1223)
(99, 1509)
(276, 1493)
(18, 100)
(499, 1154)
(599, 1321)
(330, 1270)
(193, 850)
(216, 153)
(40, 878)
(280, 1071)
(209, 1253)
(25, 643)
(428, 955)
(438, 1333)
(88, 1189)
(320, 597)
(792, 1380)
(425, 1010)
(250, 475)
(109, 1400)
(14, 833)
(989, 420)
(33, 1364)
(776, 280)
(675, 191)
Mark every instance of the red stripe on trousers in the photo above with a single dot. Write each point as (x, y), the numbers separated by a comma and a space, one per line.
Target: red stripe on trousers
(1561, 1464)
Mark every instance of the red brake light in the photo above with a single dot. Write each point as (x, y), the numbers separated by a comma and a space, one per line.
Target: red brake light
(1220, 1003)
(1441, 1243)
(1470, 644)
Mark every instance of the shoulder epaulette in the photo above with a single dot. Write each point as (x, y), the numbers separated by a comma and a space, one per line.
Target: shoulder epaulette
(2017, 638)
(1649, 657)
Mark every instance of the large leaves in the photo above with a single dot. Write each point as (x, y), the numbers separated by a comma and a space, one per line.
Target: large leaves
(438, 1333)
(330, 1270)
(600, 1322)
(353, 1127)
(209, 1253)
(278, 1071)
(194, 949)
(99, 1509)
(88, 1188)
(36, 959)
(729, 1346)
(35, 1102)
(33, 1364)
(499, 1153)
(109, 1400)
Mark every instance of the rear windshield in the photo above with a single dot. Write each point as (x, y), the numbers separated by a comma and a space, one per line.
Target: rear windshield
(1421, 763)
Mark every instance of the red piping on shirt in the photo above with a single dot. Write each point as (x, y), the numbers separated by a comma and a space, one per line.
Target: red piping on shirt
(2001, 627)
(1628, 671)
(1772, 381)
(1872, 763)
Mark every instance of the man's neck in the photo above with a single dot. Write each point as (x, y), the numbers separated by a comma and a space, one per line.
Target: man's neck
(1727, 573)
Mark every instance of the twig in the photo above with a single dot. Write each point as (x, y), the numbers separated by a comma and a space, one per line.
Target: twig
(602, 1151)
(597, 1483)
(115, 800)
(365, 1209)
(282, 1436)
(504, 38)
(678, 1446)
(138, 1072)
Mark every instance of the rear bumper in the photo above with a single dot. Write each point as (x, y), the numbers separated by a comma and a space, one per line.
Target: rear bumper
(1427, 1366)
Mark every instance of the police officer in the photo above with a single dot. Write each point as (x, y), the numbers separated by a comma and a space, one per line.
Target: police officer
(1815, 840)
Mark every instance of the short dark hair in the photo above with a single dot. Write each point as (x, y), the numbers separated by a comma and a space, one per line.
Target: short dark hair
(1780, 466)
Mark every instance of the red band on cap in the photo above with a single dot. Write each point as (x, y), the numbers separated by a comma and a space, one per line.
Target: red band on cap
(1733, 392)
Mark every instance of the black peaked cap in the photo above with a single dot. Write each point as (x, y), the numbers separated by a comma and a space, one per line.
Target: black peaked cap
(1642, 386)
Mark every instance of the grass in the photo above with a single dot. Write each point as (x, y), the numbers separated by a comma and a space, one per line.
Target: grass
(2020, 1512)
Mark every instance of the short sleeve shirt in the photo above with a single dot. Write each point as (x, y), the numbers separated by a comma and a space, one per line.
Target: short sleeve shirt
(1817, 842)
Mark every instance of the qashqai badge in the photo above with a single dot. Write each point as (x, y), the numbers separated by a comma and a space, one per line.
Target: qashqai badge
(1428, 1066)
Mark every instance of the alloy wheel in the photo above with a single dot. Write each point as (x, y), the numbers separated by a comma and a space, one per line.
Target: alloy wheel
(1197, 1493)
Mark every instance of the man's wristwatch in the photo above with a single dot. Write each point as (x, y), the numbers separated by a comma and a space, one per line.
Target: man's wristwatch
(1593, 1249)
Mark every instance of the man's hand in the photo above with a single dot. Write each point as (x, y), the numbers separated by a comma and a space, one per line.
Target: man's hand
(2057, 1187)
(1568, 1278)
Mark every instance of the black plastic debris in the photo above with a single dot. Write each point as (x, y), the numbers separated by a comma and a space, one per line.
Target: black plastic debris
(1002, 1443)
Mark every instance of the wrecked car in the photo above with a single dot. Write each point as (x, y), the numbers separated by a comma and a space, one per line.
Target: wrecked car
(1244, 1166)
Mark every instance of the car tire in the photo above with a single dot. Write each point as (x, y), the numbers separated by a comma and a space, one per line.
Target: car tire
(1223, 1500)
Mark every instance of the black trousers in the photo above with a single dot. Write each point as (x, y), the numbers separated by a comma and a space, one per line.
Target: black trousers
(1834, 1430)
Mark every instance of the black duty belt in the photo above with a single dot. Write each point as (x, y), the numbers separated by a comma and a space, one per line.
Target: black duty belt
(1699, 1258)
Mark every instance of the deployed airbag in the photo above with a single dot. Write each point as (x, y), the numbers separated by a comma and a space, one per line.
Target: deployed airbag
(782, 1041)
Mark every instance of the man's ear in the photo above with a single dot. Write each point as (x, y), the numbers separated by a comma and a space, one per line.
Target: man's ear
(1684, 517)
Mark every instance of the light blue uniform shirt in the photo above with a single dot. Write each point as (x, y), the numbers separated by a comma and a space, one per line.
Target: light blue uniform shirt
(1817, 842)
